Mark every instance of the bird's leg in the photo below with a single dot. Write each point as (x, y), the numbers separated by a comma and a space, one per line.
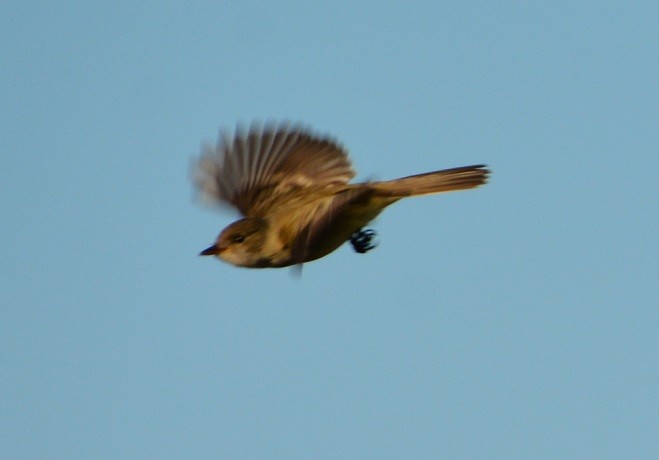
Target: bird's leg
(363, 240)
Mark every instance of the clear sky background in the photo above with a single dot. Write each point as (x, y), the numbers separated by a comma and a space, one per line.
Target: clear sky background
(517, 320)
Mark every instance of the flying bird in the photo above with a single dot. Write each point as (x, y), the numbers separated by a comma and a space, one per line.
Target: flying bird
(292, 187)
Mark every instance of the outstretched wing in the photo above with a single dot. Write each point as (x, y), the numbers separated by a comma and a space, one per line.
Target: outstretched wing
(252, 169)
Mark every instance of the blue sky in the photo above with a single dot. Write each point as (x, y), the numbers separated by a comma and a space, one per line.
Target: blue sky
(517, 320)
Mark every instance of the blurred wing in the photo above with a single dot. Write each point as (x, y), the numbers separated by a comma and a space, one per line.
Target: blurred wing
(332, 222)
(253, 169)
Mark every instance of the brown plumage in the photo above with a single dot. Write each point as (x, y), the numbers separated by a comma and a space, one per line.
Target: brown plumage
(292, 187)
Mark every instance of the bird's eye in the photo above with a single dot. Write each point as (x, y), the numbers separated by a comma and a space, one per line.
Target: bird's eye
(238, 238)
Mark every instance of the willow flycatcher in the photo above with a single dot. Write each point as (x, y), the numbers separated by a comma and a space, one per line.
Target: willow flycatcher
(292, 188)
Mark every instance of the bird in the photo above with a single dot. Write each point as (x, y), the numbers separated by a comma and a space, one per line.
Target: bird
(292, 188)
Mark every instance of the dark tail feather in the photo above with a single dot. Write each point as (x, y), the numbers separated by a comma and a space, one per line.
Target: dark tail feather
(445, 180)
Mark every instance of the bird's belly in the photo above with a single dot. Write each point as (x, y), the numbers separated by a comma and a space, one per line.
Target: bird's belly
(341, 228)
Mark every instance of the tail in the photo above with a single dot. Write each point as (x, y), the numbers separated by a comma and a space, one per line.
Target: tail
(446, 180)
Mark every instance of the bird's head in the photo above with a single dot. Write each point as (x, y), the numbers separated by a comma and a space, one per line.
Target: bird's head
(241, 243)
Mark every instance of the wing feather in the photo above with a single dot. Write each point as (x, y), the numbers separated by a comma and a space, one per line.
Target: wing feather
(252, 169)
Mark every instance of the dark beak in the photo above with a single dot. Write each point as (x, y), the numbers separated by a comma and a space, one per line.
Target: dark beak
(211, 251)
